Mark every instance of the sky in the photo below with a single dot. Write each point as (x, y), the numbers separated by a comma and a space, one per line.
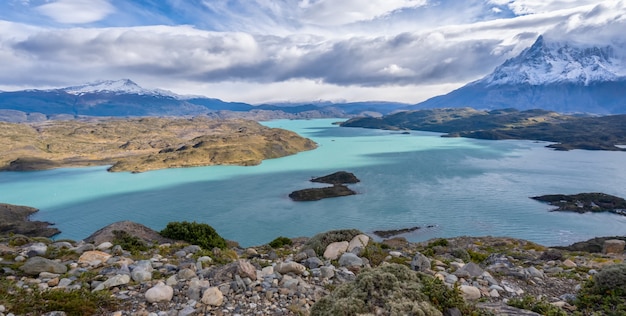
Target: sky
(261, 51)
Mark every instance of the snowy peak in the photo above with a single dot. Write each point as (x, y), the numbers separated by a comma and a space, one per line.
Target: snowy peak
(546, 63)
(123, 86)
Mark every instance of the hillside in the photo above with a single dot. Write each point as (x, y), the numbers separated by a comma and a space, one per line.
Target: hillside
(570, 132)
(139, 145)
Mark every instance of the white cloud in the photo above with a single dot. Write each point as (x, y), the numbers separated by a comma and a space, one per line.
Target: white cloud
(76, 11)
(328, 12)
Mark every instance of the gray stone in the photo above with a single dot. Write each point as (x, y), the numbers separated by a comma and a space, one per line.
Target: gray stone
(327, 272)
(159, 293)
(192, 249)
(534, 272)
(187, 311)
(196, 286)
(313, 262)
(186, 274)
(36, 265)
(349, 259)
(141, 276)
(105, 246)
(451, 279)
(83, 247)
(471, 269)
(289, 267)
(420, 262)
(119, 279)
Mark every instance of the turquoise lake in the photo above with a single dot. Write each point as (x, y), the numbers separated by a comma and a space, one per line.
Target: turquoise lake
(460, 186)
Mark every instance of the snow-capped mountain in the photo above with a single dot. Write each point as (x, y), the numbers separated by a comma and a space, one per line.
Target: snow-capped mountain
(122, 86)
(563, 77)
(546, 63)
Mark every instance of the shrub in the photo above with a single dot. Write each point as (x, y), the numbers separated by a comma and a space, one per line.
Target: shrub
(605, 293)
(32, 301)
(538, 306)
(128, 242)
(391, 289)
(280, 242)
(320, 241)
(199, 234)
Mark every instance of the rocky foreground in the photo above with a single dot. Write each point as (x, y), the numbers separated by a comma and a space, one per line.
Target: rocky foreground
(129, 275)
(143, 144)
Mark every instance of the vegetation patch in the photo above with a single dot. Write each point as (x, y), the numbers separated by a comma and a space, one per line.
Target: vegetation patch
(280, 242)
(199, 234)
(320, 241)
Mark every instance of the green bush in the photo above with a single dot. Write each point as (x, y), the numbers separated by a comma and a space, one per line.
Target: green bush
(320, 241)
(280, 242)
(605, 293)
(538, 306)
(32, 301)
(391, 289)
(128, 242)
(199, 234)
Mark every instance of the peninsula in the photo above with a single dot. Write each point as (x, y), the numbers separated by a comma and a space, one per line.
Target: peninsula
(143, 144)
(566, 131)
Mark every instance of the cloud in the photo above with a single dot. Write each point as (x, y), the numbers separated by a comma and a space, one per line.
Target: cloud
(389, 52)
(327, 12)
(76, 11)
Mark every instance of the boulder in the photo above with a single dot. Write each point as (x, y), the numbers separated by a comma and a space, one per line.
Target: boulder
(360, 241)
(119, 279)
(613, 246)
(420, 262)
(36, 265)
(242, 268)
(134, 229)
(159, 293)
(36, 249)
(94, 257)
(349, 259)
(469, 270)
(470, 293)
(289, 267)
(334, 250)
(212, 296)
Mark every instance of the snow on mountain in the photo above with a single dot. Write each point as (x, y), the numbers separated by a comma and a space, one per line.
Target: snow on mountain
(123, 86)
(554, 62)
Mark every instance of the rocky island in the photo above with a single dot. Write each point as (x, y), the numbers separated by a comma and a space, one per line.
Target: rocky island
(337, 179)
(585, 202)
(15, 219)
(566, 131)
(143, 144)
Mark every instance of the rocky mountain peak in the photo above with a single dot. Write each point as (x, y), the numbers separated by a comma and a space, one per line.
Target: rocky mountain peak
(121, 86)
(548, 62)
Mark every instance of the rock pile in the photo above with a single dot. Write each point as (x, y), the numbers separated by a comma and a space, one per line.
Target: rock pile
(178, 279)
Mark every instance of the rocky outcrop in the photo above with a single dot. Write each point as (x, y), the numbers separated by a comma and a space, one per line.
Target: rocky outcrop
(131, 228)
(339, 177)
(585, 202)
(182, 279)
(14, 220)
(315, 194)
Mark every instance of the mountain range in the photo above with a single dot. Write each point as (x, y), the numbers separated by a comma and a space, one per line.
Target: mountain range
(565, 77)
(124, 98)
(562, 77)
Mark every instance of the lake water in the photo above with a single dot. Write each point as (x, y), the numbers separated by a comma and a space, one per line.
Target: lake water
(460, 186)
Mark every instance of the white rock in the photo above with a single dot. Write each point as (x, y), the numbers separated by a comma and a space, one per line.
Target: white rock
(160, 293)
(358, 241)
(470, 292)
(39, 248)
(119, 279)
(105, 245)
(334, 250)
(212, 296)
(171, 281)
(494, 293)
(569, 263)
(396, 254)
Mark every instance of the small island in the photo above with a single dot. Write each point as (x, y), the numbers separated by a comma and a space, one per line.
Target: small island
(337, 179)
(14, 219)
(585, 202)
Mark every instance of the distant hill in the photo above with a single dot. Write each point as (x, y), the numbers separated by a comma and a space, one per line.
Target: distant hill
(124, 98)
(561, 77)
(568, 131)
